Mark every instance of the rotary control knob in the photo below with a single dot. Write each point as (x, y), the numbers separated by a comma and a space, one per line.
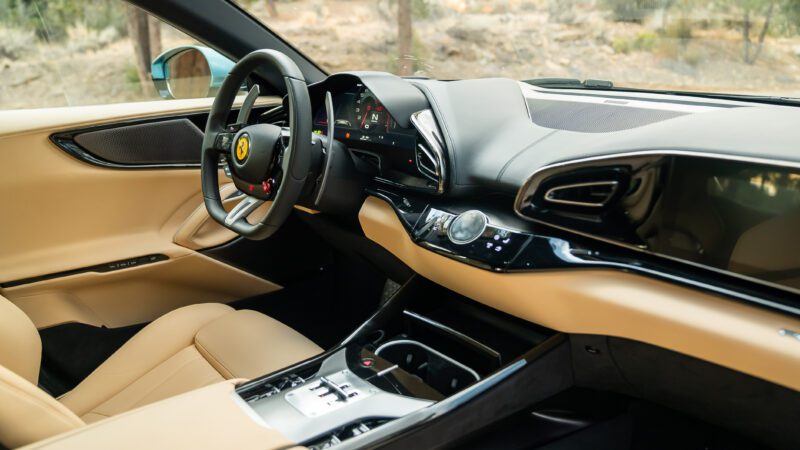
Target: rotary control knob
(467, 227)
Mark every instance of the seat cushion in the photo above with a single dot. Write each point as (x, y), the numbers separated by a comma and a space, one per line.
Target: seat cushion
(183, 350)
(28, 414)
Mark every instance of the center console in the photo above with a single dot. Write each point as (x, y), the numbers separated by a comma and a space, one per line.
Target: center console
(421, 353)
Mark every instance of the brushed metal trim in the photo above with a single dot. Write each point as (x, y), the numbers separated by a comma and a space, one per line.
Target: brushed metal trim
(425, 122)
(474, 238)
(456, 333)
(614, 186)
(437, 353)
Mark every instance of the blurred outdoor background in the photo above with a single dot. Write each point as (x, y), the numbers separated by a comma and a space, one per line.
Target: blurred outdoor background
(71, 52)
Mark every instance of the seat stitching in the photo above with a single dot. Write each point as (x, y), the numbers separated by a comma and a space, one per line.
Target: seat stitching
(204, 352)
(33, 400)
(126, 385)
(172, 375)
(144, 410)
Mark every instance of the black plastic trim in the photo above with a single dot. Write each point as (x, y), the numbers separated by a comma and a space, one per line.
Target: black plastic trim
(65, 140)
(99, 268)
(550, 248)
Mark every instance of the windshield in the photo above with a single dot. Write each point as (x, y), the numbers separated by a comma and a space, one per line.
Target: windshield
(725, 46)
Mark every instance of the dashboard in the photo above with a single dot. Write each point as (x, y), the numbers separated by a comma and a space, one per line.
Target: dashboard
(635, 215)
(510, 177)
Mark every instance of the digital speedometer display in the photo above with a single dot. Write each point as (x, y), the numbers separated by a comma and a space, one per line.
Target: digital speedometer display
(362, 121)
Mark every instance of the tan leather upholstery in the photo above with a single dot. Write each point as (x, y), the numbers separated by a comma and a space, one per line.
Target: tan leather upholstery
(28, 414)
(207, 418)
(186, 349)
(135, 295)
(94, 216)
(272, 345)
(20, 345)
(611, 302)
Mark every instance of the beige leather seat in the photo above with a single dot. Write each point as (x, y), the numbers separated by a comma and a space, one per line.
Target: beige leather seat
(183, 350)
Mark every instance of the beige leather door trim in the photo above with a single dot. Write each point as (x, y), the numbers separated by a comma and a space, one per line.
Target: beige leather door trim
(613, 303)
(61, 214)
(135, 295)
(200, 231)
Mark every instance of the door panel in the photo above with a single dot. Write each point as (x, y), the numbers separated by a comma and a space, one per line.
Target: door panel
(200, 231)
(61, 214)
(134, 295)
(137, 145)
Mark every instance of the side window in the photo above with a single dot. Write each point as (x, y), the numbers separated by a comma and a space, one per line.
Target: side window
(81, 52)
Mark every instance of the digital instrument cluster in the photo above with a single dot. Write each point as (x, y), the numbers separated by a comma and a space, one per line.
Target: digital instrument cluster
(367, 128)
(361, 121)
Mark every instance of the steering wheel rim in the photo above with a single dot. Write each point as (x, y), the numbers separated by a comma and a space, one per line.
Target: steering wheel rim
(293, 161)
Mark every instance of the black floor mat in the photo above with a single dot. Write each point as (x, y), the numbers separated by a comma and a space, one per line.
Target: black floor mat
(325, 308)
(70, 352)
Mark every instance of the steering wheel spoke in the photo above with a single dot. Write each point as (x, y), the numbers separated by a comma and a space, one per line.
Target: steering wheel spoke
(243, 209)
(266, 162)
(223, 142)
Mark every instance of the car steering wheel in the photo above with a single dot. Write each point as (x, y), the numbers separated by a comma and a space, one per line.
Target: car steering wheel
(262, 164)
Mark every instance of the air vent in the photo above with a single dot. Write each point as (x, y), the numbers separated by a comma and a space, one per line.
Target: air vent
(370, 158)
(429, 153)
(595, 194)
(426, 163)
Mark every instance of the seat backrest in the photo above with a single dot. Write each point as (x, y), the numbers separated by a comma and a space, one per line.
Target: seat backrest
(20, 344)
(27, 413)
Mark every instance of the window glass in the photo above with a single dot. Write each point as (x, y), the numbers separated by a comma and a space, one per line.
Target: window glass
(79, 52)
(730, 46)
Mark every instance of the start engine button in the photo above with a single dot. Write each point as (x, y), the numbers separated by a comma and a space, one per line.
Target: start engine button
(367, 362)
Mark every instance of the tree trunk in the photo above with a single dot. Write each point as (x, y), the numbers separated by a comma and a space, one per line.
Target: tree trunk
(140, 37)
(405, 35)
(763, 34)
(271, 8)
(155, 38)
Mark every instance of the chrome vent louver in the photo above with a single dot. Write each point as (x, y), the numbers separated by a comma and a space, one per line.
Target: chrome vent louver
(593, 194)
(429, 154)
(427, 163)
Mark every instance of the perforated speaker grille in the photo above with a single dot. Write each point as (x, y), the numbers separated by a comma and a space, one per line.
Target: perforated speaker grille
(594, 117)
(175, 141)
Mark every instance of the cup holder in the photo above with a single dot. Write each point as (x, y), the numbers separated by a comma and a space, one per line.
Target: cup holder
(436, 369)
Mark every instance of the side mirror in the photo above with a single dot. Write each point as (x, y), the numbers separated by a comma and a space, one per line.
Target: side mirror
(189, 71)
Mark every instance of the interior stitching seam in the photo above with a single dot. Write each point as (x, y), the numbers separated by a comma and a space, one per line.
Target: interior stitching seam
(206, 354)
(34, 401)
(150, 391)
(98, 403)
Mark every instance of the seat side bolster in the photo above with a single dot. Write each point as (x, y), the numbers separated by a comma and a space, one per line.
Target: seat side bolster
(155, 344)
(20, 344)
(28, 414)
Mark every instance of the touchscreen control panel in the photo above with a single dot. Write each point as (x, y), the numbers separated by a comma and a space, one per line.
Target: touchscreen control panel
(469, 237)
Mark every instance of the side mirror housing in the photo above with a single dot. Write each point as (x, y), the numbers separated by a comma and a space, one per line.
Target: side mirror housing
(189, 71)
